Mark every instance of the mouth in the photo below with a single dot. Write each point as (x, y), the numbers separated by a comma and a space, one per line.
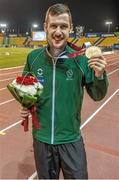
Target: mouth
(58, 40)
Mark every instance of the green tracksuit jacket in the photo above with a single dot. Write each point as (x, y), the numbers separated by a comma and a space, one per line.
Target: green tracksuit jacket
(59, 107)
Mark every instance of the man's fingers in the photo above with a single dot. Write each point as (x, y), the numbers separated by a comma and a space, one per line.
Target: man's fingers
(102, 61)
(97, 68)
(103, 65)
(97, 60)
(24, 112)
(97, 63)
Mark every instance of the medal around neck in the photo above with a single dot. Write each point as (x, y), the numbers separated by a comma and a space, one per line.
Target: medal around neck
(93, 51)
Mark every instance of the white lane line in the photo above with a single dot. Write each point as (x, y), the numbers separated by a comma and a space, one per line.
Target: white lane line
(12, 125)
(90, 118)
(113, 63)
(3, 69)
(3, 89)
(113, 72)
(84, 124)
(9, 73)
(112, 59)
(5, 102)
(32, 176)
(6, 79)
(3, 130)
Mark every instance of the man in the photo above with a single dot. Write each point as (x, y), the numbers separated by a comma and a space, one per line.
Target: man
(58, 143)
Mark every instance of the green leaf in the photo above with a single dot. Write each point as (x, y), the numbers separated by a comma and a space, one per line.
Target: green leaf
(28, 101)
(14, 93)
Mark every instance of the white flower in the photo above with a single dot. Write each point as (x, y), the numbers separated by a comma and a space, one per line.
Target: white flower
(27, 89)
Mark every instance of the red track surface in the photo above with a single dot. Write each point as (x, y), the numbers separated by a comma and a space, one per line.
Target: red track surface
(100, 134)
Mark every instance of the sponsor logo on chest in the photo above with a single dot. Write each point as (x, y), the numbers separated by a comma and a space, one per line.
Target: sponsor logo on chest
(69, 74)
(40, 75)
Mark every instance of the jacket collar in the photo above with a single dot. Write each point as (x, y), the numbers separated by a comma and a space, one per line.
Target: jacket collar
(50, 56)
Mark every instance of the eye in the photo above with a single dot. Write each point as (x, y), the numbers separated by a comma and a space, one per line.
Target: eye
(53, 26)
(64, 26)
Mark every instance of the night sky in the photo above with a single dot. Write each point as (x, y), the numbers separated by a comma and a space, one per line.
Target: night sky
(89, 13)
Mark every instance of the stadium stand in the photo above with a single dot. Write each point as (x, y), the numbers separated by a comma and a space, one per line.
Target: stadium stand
(1, 41)
(109, 41)
(99, 40)
(102, 40)
(17, 41)
(38, 43)
(70, 39)
(82, 40)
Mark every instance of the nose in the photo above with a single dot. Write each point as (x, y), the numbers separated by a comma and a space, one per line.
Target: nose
(58, 30)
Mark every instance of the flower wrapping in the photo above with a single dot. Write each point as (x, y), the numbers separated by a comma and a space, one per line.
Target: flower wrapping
(27, 90)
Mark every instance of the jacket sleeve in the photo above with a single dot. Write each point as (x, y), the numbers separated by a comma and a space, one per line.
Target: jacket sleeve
(95, 87)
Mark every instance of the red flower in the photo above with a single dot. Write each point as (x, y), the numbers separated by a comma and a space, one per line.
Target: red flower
(27, 80)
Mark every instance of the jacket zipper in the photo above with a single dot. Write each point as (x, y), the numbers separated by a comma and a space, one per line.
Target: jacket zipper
(53, 100)
(54, 60)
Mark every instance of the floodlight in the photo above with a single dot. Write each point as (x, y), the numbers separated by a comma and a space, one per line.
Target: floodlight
(108, 23)
(35, 25)
(3, 25)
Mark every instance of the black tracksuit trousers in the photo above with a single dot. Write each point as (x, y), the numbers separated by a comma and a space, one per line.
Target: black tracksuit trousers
(71, 158)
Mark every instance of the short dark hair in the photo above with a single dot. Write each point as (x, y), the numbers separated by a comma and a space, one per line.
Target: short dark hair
(58, 9)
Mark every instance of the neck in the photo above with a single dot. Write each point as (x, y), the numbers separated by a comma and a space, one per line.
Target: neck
(55, 52)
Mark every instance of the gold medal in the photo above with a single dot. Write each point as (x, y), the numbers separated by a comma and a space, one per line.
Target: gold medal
(93, 51)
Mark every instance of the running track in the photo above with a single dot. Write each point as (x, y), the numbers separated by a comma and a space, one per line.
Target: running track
(100, 129)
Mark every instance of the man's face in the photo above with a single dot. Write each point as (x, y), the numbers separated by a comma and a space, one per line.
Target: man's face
(57, 28)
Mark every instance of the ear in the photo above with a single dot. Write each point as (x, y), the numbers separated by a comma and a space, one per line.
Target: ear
(45, 26)
(71, 28)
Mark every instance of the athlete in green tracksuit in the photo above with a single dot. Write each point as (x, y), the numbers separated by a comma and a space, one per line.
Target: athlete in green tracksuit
(59, 107)
(58, 142)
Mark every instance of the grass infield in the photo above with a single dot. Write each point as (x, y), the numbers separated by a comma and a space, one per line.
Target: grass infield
(12, 57)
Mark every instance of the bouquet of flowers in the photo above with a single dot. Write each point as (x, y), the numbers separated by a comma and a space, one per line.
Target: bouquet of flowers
(27, 90)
